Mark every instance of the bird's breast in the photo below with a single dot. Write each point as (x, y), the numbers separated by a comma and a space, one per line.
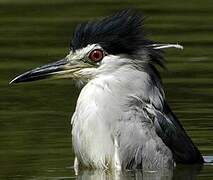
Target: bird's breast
(92, 127)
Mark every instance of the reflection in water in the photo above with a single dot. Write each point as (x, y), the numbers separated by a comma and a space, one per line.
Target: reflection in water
(187, 172)
(180, 172)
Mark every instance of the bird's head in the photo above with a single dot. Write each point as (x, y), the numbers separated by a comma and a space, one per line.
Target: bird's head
(99, 47)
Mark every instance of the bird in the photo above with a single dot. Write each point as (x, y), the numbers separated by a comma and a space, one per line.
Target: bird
(122, 119)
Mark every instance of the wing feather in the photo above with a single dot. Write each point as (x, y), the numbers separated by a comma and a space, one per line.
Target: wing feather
(173, 135)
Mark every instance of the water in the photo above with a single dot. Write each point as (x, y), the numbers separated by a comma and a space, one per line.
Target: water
(35, 141)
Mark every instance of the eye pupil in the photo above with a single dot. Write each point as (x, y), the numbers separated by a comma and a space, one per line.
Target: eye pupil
(96, 55)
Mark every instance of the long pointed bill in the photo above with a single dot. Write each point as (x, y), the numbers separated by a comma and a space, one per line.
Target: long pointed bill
(59, 69)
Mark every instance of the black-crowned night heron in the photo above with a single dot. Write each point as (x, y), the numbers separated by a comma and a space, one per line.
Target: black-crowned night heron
(122, 119)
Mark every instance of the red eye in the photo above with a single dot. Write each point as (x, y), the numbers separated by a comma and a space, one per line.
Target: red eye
(96, 55)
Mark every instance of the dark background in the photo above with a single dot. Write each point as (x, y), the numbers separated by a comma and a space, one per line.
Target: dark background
(35, 138)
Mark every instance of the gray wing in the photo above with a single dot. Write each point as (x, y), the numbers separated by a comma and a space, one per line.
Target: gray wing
(173, 135)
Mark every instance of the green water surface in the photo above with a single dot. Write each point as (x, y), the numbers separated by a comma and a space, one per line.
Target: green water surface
(35, 138)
